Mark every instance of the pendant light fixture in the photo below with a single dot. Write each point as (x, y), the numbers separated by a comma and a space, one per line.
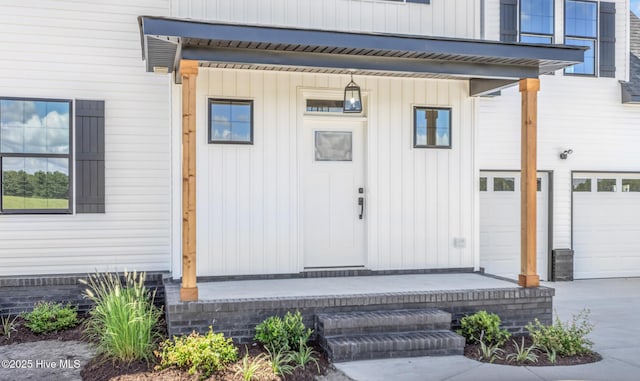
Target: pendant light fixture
(352, 98)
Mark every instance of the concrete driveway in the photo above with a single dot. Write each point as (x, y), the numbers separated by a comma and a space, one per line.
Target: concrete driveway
(615, 309)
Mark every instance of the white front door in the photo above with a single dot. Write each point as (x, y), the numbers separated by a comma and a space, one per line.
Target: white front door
(333, 193)
(500, 223)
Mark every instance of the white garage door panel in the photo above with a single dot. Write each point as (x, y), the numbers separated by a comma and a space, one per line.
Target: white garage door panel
(606, 229)
(500, 227)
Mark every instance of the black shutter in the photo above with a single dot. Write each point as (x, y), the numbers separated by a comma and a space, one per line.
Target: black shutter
(509, 20)
(89, 156)
(607, 39)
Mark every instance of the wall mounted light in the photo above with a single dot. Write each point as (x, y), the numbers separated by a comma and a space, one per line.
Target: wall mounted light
(565, 154)
(352, 98)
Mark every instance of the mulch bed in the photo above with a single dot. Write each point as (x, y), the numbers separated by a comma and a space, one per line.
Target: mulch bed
(22, 334)
(472, 351)
(100, 369)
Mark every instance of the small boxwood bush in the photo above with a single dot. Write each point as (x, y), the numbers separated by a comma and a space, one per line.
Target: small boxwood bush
(202, 354)
(564, 339)
(51, 317)
(485, 325)
(278, 334)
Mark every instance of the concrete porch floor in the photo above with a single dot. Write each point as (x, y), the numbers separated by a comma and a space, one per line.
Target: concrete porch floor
(308, 287)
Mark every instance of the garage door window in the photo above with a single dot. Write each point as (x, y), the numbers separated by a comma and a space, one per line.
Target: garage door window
(503, 184)
(631, 185)
(606, 185)
(582, 185)
(483, 184)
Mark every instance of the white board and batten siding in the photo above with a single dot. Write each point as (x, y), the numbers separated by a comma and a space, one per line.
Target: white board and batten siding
(91, 50)
(418, 200)
(448, 18)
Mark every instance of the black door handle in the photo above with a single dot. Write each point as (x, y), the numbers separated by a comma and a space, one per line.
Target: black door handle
(361, 203)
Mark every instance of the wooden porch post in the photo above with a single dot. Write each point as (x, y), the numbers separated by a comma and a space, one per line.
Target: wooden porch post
(189, 73)
(528, 183)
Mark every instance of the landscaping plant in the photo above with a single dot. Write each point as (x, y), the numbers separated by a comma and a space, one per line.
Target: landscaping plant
(250, 369)
(523, 353)
(485, 325)
(50, 317)
(563, 339)
(202, 354)
(489, 352)
(7, 325)
(278, 335)
(304, 355)
(280, 362)
(123, 320)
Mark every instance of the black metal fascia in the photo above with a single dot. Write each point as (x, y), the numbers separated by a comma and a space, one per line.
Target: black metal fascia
(488, 87)
(384, 42)
(369, 63)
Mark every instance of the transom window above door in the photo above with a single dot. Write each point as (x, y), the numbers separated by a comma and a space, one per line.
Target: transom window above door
(325, 105)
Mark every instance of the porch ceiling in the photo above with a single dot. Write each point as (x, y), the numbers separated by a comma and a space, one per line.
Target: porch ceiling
(165, 41)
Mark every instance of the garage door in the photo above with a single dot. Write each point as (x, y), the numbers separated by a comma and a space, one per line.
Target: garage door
(606, 225)
(500, 223)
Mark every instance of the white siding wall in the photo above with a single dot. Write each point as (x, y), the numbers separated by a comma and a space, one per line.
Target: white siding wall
(418, 199)
(451, 18)
(91, 50)
(584, 114)
(581, 113)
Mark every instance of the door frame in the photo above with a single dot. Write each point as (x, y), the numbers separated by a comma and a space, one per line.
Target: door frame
(549, 209)
(303, 116)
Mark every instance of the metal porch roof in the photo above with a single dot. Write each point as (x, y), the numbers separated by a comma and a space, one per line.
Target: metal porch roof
(489, 64)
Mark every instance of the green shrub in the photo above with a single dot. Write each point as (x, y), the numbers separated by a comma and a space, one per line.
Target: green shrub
(200, 354)
(123, 321)
(483, 324)
(49, 317)
(279, 335)
(564, 339)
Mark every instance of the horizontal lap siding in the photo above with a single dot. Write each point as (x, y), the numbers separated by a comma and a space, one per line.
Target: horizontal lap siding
(584, 114)
(451, 18)
(91, 50)
(418, 199)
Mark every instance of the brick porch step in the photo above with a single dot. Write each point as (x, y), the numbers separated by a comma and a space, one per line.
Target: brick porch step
(360, 322)
(364, 335)
(392, 345)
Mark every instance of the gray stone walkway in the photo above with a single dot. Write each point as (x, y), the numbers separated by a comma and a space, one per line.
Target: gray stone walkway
(44, 360)
(614, 305)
